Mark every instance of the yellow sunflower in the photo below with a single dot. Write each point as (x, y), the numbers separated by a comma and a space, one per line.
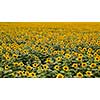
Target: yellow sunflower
(80, 55)
(21, 64)
(89, 73)
(58, 59)
(56, 67)
(79, 75)
(48, 60)
(35, 65)
(75, 65)
(90, 49)
(27, 73)
(84, 64)
(20, 73)
(60, 75)
(16, 64)
(79, 58)
(28, 67)
(15, 56)
(93, 65)
(66, 68)
(32, 74)
(45, 66)
(97, 58)
(67, 56)
(6, 67)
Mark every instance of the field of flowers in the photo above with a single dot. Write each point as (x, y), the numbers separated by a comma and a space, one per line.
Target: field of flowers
(49, 50)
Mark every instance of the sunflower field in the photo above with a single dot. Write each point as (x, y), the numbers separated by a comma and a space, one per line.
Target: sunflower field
(49, 50)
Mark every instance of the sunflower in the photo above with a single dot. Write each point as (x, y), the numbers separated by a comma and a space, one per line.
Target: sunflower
(27, 73)
(58, 59)
(25, 51)
(75, 65)
(95, 54)
(32, 74)
(90, 50)
(15, 56)
(74, 53)
(6, 67)
(8, 48)
(7, 57)
(67, 56)
(79, 58)
(48, 60)
(98, 51)
(35, 65)
(36, 58)
(28, 68)
(66, 68)
(16, 64)
(20, 73)
(84, 49)
(93, 65)
(97, 58)
(79, 75)
(21, 64)
(60, 75)
(45, 66)
(55, 52)
(56, 67)
(80, 55)
(84, 64)
(89, 73)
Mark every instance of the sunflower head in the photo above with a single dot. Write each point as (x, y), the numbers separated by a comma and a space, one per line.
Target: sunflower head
(48, 60)
(84, 49)
(93, 65)
(28, 68)
(97, 58)
(60, 75)
(75, 65)
(90, 50)
(35, 65)
(45, 66)
(66, 68)
(6, 67)
(79, 58)
(89, 73)
(16, 64)
(15, 56)
(84, 64)
(80, 55)
(56, 67)
(20, 73)
(32, 74)
(79, 75)
(21, 64)
(58, 59)
(67, 56)
(27, 74)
